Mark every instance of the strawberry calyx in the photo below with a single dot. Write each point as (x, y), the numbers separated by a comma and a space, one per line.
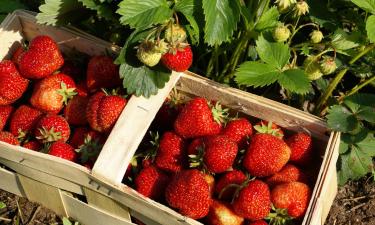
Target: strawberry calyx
(279, 216)
(196, 160)
(220, 114)
(90, 149)
(175, 99)
(268, 129)
(238, 187)
(66, 93)
(22, 136)
(48, 135)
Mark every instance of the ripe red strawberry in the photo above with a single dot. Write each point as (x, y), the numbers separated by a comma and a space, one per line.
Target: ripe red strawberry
(33, 145)
(211, 182)
(301, 146)
(258, 222)
(196, 119)
(103, 110)
(16, 57)
(51, 128)
(266, 155)
(219, 153)
(9, 138)
(222, 214)
(102, 73)
(81, 133)
(189, 193)
(151, 182)
(195, 146)
(53, 92)
(167, 115)
(82, 89)
(265, 127)
(75, 110)
(293, 196)
(287, 174)
(70, 68)
(12, 84)
(179, 59)
(171, 153)
(63, 150)
(229, 178)
(253, 201)
(5, 111)
(238, 130)
(41, 59)
(24, 120)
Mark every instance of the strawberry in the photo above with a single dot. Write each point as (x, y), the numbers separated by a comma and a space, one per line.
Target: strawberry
(293, 196)
(169, 111)
(5, 112)
(178, 59)
(196, 119)
(41, 59)
(82, 89)
(221, 214)
(224, 187)
(102, 73)
(9, 138)
(63, 150)
(195, 146)
(175, 34)
(52, 93)
(253, 201)
(24, 120)
(75, 110)
(12, 84)
(70, 68)
(189, 193)
(238, 130)
(219, 153)
(301, 147)
(287, 174)
(151, 182)
(90, 148)
(33, 145)
(81, 133)
(211, 182)
(51, 128)
(171, 152)
(265, 127)
(16, 57)
(103, 110)
(258, 222)
(266, 155)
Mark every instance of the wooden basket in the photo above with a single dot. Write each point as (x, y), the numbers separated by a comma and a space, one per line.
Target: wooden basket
(55, 182)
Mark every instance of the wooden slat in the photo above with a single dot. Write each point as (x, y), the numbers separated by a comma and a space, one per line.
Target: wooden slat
(128, 134)
(9, 182)
(44, 194)
(107, 204)
(43, 177)
(89, 215)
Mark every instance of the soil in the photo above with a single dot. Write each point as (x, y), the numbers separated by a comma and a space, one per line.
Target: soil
(354, 204)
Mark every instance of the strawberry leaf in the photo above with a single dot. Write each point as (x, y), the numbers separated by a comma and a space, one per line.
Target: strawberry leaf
(268, 20)
(221, 18)
(256, 74)
(370, 28)
(188, 8)
(341, 119)
(143, 14)
(103, 10)
(275, 54)
(294, 80)
(59, 12)
(367, 5)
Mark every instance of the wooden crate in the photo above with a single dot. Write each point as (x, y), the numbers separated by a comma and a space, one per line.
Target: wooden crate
(106, 196)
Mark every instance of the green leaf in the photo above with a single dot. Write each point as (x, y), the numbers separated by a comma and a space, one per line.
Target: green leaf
(367, 5)
(354, 102)
(59, 12)
(188, 9)
(8, 6)
(367, 145)
(345, 173)
(275, 54)
(344, 147)
(340, 118)
(2, 205)
(103, 10)
(268, 20)
(359, 162)
(66, 221)
(221, 18)
(370, 28)
(343, 41)
(366, 113)
(256, 74)
(143, 81)
(294, 80)
(142, 14)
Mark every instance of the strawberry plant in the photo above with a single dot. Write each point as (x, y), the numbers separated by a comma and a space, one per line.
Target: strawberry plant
(314, 55)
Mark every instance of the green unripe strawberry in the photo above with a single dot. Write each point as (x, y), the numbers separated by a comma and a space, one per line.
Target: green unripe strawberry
(312, 68)
(281, 33)
(175, 34)
(316, 36)
(301, 8)
(328, 65)
(150, 52)
(284, 5)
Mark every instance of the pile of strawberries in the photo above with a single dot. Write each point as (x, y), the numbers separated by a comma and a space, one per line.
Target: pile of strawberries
(222, 170)
(56, 105)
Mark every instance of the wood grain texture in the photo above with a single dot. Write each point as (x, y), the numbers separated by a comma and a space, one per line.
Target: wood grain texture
(10, 183)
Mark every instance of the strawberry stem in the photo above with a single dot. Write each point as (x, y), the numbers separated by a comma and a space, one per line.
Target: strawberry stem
(66, 93)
